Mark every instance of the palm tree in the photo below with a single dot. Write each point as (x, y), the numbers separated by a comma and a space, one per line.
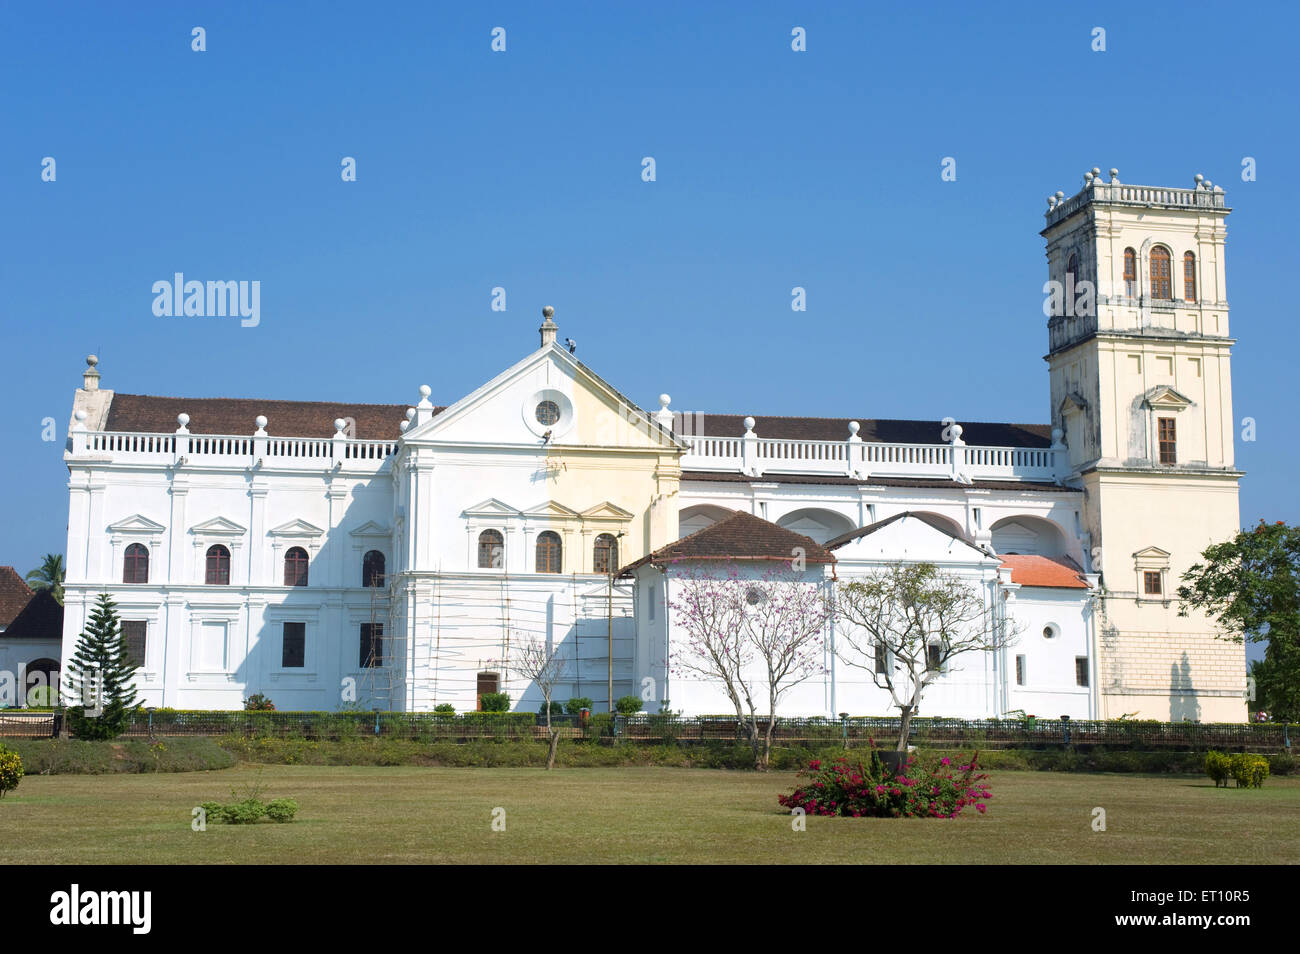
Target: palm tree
(48, 576)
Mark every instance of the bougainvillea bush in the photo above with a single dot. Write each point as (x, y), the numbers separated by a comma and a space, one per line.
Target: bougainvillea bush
(865, 788)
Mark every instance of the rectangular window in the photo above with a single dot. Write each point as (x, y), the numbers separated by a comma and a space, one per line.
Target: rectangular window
(1168, 440)
(1081, 670)
(932, 656)
(882, 658)
(1021, 674)
(372, 645)
(1151, 583)
(134, 632)
(294, 654)
(650, 601)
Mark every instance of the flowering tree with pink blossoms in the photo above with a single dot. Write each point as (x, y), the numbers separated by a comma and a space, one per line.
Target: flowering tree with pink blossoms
(756, 637)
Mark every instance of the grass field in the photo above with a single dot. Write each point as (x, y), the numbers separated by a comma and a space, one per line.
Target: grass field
(632, 816)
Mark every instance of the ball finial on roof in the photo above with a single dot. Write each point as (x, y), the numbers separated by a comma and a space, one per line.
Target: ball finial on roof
(854, 427)
(665, 400)
(260, 421)
(548, 312)
(339, 424)
(410, 413)
(183, 419)
(92, 360)
(749, 423)
(425, 391)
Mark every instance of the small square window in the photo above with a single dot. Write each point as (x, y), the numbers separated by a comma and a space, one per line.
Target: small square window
(1151, 584)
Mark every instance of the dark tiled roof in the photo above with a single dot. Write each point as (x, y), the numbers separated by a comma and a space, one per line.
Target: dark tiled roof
(886, 431)
(41, 618)
(1029, 570)
(145, 412)
(741, 536)
(14, 594)
(835, 480)
(940, 524)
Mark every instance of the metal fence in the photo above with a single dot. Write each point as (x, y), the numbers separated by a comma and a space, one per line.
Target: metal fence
(653, 729)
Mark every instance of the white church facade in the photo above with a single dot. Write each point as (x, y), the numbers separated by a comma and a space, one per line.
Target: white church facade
(391, 555)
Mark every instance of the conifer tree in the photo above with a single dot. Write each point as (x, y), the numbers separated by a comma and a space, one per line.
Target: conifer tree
(100, 677)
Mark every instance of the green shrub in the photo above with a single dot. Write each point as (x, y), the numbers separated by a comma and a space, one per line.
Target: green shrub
(557, 708)
(444, 708)
(1249, 770)
(495, 702)
(1219, 768)
(11, 770)
(125, 756)
(281, 810)
(577, 703)
(258, 702)
(628, 705)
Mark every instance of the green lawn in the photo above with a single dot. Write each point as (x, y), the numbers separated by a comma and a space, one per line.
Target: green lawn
(633, 816)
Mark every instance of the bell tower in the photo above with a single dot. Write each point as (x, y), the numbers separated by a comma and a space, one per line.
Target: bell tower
(1139, 359)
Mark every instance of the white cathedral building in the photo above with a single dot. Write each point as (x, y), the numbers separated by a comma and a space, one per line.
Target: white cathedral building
(390, 555)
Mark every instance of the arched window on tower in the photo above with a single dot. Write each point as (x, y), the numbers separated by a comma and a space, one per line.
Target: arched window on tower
(135, 566)
(372, 569)
(295, 567)
(1162, 287)
(605, 558)
(218, 566)
(1189, 276)
(491, 550)
(548, 552)
(1130, 273)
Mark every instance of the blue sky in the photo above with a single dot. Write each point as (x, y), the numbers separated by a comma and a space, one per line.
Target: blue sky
(522, 169)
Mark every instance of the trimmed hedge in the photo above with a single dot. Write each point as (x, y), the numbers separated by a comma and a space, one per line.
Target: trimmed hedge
(77, 757)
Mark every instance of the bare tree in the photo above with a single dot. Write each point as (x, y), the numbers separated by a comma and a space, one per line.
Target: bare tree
(757, 637)
(542, 664)
(906, 621)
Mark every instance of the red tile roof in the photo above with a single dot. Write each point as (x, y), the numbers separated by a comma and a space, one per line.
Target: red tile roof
(41, 618)
(1029, 570)
(741, 536)
(14, 594)
(157, 415)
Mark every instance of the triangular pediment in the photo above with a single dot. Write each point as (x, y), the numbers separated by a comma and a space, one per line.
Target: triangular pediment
(296, 528)
(1167, 397)
(491, 508)
(136, 523)
(1073, 402)
(371, 529)
(505, 410)
(218, 526)
(911, 537)
(551, 509)
(607, 511)
(1151, 553)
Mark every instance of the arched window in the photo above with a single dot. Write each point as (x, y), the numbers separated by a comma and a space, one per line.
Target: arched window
(1161, 282)
(295, 567)
(135, 567)
(218, 569)
(1130, 273)
(605, 559)
(372, 569)
(491, 550)
(548, 552)
(1072, 274)
(1189, 276)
